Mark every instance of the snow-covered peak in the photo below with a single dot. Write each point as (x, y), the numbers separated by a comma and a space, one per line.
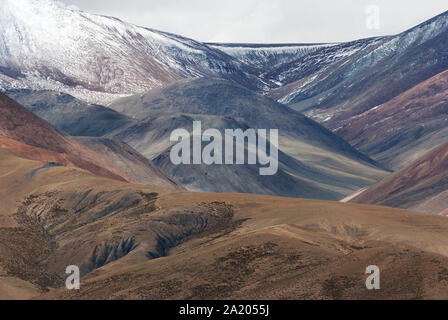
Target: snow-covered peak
(46, 44)
(348, 61)
(268, 57)
(400, 43)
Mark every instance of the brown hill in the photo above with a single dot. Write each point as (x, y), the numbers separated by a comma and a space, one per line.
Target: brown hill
(31, 152)
(21, 125)
(421, 186)
(140, 242)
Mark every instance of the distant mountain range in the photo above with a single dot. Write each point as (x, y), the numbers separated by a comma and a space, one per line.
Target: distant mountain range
(314, 163)
(24, 133)
(87, 106)
(356, 89)
(99, 58)
(44, 45)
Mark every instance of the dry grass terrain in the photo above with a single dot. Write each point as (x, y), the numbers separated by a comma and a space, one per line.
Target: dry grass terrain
(140, 242)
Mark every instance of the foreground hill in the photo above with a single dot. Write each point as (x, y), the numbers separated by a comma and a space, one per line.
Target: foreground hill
(294, 178)
(310, 156)
(139, 242)
(421, 186)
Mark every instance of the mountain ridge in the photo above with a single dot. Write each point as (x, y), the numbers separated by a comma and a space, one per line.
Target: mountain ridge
(310, 155)
(121, 59)
(108, 57)
(422, 185)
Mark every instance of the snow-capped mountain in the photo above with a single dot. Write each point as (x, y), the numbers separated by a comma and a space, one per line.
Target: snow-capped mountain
(47, 45)
(310, 66)
(386, 99)
(331, 67)
(268, 57)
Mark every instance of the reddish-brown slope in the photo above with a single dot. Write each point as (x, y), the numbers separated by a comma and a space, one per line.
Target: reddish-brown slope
(404, 128)
(33, 153)
(22, 126)
(423, 185)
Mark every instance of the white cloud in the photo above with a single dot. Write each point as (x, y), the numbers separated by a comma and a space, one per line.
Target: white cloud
(267, 20)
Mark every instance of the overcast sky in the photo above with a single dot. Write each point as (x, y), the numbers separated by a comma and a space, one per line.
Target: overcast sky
(274, 21)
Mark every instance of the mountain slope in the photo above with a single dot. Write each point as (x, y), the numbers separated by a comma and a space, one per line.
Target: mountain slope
(315, 62)
(223, 98)
(268, 58)
(315, 174)
(68, 114)
(294, 178)
(405, 128)
(128, 160)
(371, 77)
(97, 58)
(140, 242)
(310, 155)
(19, 124)
(421, 186)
